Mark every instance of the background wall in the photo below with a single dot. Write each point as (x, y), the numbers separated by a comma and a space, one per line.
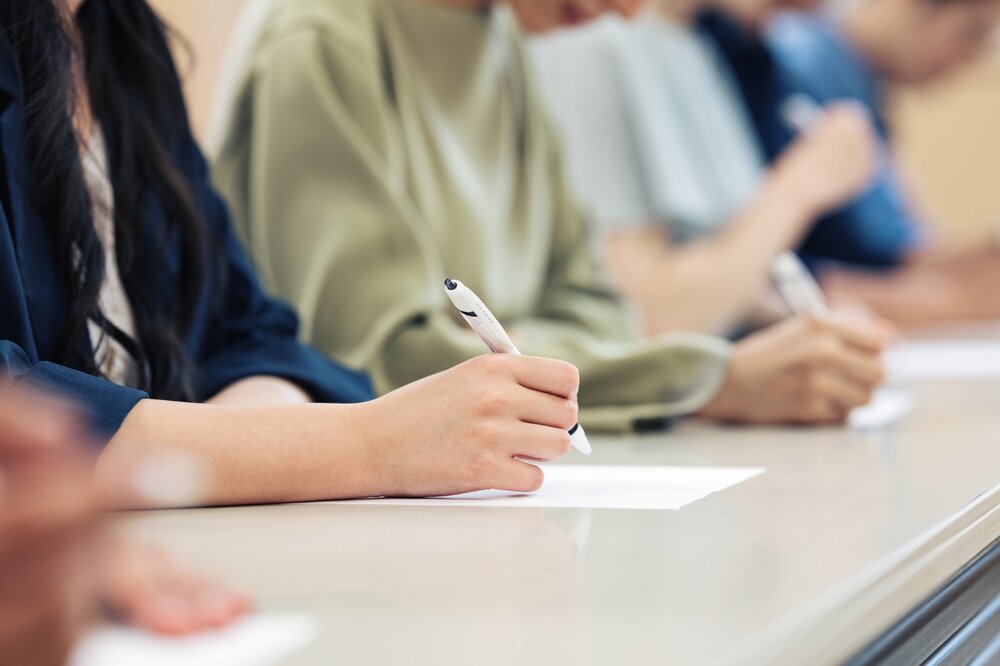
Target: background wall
(948, 136)
(206, 26)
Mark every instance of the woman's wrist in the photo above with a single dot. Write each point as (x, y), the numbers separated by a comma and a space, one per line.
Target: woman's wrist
(365, 430)
(723, 406)
(344, 449)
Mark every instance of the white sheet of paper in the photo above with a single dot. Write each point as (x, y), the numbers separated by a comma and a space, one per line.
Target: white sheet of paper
(956, 359)
(258, 640)
(603, 487)
(886, 407)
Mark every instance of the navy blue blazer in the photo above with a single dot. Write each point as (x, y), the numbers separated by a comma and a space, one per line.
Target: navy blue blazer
(244, 334)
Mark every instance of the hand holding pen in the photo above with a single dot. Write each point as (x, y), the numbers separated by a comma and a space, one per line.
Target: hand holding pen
(482, 321)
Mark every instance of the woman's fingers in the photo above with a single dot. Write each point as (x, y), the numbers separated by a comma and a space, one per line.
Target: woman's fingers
(541, 443)
(150, 591)
(519, 476)
(864, 368)
(546, 410)
(546, 375)
(866, 336)
(838, 390)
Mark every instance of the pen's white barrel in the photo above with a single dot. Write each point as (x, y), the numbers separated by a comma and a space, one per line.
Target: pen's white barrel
(797, 286)
(800, 112)
(488, 335)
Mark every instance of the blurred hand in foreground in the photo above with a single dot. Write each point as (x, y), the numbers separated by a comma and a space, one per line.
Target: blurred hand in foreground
(57, 569)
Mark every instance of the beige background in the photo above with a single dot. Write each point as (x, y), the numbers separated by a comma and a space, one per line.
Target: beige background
(948, 136)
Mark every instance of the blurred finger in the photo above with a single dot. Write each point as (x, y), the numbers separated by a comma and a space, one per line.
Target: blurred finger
(864, 336)
(31, 421)
(149, 590)
(219, 605)
(865, 368)
(208, 604)
(823, 411)
(841, 392)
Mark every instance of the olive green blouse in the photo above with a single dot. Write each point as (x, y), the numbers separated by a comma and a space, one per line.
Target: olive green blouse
(372, 148)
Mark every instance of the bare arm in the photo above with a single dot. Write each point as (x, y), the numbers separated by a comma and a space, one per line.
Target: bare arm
(714, 283)
(248, 454)
(937, 287)
(454, 432)
(729, 268)
(262, 391)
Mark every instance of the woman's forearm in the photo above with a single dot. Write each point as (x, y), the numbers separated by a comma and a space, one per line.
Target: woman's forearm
(914, 295)
(261, 392)
(242, 454)
(685, 288)
(710, 285)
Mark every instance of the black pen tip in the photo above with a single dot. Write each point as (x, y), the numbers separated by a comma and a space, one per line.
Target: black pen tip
(450, 284)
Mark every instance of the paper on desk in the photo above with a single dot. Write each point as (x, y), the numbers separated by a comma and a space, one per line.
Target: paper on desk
(886, 407)
(967, 359)
(603, 487)
(259, 640)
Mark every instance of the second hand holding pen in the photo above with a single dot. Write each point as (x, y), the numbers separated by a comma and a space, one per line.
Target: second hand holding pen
(486, 326)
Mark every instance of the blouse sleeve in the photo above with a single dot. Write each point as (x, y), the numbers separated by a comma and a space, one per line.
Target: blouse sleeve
(338, 234)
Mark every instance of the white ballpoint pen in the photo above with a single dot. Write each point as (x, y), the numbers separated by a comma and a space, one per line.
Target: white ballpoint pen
(800, 111)
(486, 326)
(797, 286)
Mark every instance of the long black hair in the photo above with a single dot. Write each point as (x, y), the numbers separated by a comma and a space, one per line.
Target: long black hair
(120, 50)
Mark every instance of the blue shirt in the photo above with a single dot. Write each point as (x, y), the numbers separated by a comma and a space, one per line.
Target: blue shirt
(242, 334)
(805, 54)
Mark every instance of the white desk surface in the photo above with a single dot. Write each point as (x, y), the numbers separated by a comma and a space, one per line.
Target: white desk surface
(843, 535)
